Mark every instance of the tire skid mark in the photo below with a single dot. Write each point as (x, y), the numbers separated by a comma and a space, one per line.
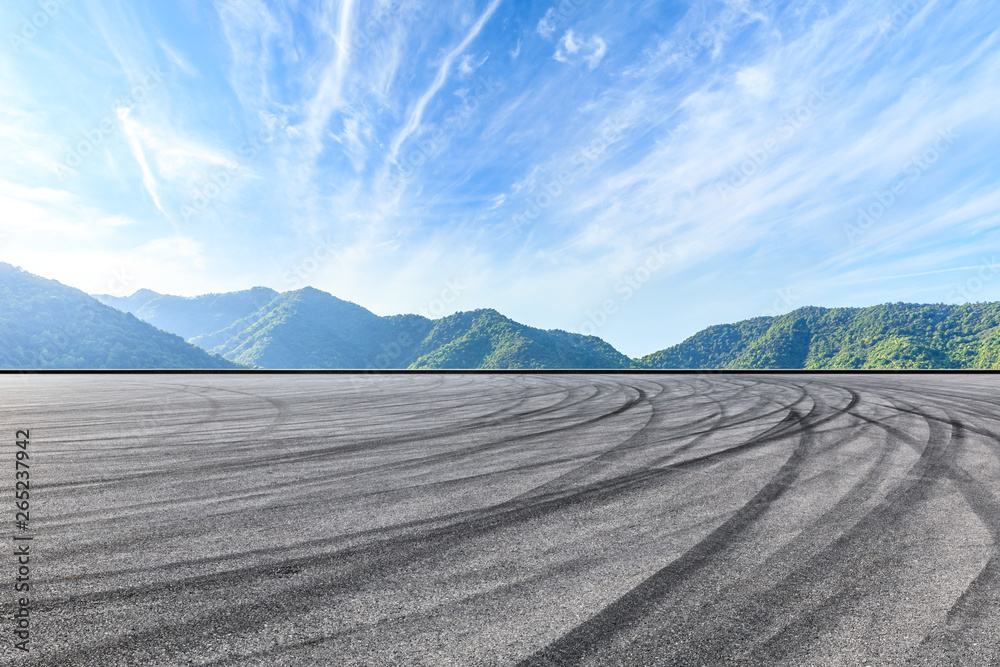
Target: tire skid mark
(478, 522)
(849, 553)
(974, 613)
(809, 577)
(793, 560)
(290, 503)
(588, 638)
(644, 600)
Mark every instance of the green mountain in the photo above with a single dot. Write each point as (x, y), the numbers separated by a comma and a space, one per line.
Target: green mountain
(45, 324)
(191, 317)
(487, 339)
(899, 335)
(309, 328)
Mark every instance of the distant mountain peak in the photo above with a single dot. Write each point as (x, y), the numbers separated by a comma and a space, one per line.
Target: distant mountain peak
(311, 328)
(311, 291)
(892, 335)
(61, 327)
(192, 316)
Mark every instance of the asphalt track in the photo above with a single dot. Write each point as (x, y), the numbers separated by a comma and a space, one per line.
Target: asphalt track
(508, 519)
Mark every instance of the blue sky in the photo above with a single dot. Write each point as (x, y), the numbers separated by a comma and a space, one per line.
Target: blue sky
(633, 170)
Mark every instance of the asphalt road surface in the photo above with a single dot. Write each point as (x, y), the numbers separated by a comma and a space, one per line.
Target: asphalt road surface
(506, 519)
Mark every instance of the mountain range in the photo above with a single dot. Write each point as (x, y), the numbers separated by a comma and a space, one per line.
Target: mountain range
(899, 335)
(48, 325)
(308, 328)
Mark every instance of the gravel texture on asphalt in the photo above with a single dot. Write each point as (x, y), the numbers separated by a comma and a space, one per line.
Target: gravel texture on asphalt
(495, 519)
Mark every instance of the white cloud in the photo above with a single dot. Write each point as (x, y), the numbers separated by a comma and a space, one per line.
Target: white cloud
(467, 66)
(329, 95)
(133, 134)
(172, 264)
(47, 216)
(694, 103)
(756, 81)
(177, 59)
(171, 166)
(250, 30)
(571, 49)
(566, 46)
(546, 26)
(417, 113)
(600, 48)
(355, 137)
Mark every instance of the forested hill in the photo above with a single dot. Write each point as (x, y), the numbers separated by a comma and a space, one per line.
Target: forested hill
(194, 316)
(45, 324)
(899, 335)
(487, 339)
(309, 328)
(49, 325)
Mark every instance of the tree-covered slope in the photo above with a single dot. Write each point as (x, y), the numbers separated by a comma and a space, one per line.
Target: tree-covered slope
(487, 339)
(896, 335)
(47, 325)
(191, 317)
(309, 328)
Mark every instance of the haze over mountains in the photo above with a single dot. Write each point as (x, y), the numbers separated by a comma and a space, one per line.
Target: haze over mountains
(191, 317)
(49, 325)
(45, 324)
(308, 328)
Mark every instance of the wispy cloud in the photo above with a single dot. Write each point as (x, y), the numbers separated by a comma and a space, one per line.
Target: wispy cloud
(417, 113)
(252, 30)
(546, 25)
(741, 135)
(133, 135)
(329, 95)
(53, 211)
(572, 48)
(468, 64)
(177, 59)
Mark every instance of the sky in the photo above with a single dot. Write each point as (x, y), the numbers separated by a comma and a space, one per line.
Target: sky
(631, 170)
